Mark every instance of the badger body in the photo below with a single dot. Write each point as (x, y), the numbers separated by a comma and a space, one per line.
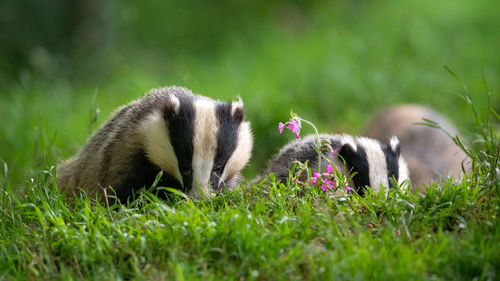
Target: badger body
(200, 144)
(374, 163)
(431, 154)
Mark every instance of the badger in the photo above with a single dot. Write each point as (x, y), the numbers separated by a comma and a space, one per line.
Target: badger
(431, 154)
(200, 144)
(374, 164)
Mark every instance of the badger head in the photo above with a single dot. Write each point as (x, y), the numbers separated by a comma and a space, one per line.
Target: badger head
(375, 164)
(202, 144)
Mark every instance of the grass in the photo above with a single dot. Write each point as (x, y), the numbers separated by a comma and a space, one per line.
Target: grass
(339, 67)
(342, 63)
(451, 232)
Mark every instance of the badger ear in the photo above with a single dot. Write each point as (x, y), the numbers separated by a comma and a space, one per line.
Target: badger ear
(170, 107)
(348, 152)
(395, 146)
(237, 110)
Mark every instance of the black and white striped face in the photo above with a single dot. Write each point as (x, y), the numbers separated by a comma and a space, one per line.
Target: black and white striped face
(200, 142)
(375, 164)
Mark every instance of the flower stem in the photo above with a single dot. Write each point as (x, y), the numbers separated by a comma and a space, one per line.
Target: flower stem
(318, 145)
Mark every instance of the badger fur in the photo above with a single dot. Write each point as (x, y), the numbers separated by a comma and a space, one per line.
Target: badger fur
(200, 144)
(374, 163)
(430, 153)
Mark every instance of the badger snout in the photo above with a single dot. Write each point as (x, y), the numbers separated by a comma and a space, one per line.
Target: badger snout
(215, 182)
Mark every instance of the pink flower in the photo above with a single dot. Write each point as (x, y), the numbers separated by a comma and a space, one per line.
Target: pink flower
(313, 181)
(281, 126)
(315, 178)
(347, 189)
(331, 184)
(324, 187)
(330, 169)
(295, 179)
(293, 126)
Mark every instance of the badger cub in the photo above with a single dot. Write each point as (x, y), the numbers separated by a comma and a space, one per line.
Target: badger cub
(200, 144)
(430, 153)
(375, 163)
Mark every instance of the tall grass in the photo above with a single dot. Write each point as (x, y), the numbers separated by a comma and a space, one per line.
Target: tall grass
(335, 62)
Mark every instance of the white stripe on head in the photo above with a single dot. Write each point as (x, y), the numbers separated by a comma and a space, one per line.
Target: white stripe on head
(376, 163)
(159, 149)
(348, 139)
(393, 143)
(241, 154)
(206, 127)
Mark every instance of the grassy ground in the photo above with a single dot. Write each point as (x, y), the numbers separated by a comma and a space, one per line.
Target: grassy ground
(335, 64)
(451, 233)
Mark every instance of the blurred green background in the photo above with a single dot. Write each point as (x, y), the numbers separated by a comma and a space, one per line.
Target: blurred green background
(335, 63)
